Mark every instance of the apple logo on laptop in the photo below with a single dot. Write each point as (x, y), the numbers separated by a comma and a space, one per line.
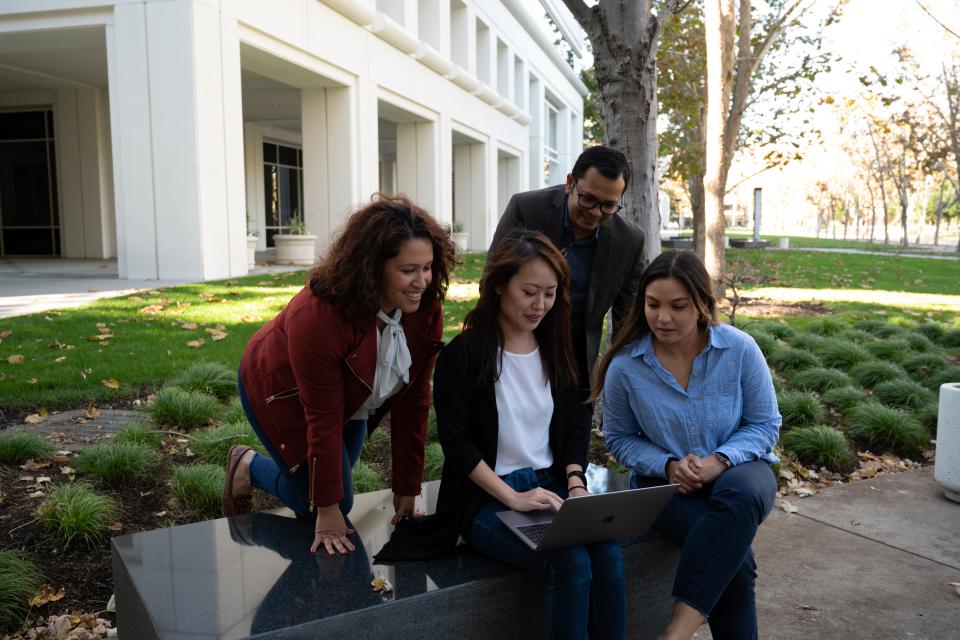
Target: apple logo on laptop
(608, 519)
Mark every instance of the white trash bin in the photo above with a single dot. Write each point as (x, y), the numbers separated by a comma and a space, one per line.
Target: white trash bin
(784, 243)
(946, 469)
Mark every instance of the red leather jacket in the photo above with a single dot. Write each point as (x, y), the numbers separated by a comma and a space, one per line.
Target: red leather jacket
(309, 370)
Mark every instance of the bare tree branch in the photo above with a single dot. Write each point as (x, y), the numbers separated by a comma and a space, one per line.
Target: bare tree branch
(583, 14)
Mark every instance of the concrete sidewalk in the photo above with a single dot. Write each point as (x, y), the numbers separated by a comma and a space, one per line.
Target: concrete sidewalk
(869, 559)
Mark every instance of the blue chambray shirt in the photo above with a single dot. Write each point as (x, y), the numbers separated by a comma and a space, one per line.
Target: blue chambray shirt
(729, 405)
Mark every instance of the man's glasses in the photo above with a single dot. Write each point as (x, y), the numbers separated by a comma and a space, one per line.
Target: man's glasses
(588, 202)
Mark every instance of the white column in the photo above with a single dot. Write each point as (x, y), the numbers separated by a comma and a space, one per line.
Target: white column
(69, 182)
(96, 168)
(343, 169)
(417, 163)
(313, 125)
(537, 117)
(444, 210)
(564, 144)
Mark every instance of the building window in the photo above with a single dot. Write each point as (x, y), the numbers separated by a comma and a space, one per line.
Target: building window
(282, 187)
(29, 213)
(551, 150)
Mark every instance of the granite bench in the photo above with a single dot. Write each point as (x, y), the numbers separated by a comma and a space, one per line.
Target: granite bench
(252, 576)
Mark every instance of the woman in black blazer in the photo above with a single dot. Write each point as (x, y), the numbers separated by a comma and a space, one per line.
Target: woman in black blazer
(512, 437)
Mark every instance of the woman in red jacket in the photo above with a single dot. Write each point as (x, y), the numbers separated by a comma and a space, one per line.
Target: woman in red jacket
(355, 343)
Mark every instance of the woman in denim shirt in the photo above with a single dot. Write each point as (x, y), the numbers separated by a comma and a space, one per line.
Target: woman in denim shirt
(689, 401)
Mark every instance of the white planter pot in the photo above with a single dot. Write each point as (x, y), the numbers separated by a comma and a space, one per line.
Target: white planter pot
(461, 239)
(251, 252)
(946, 469)
(300, 250)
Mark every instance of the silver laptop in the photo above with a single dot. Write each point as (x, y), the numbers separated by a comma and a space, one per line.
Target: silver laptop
(589, 519)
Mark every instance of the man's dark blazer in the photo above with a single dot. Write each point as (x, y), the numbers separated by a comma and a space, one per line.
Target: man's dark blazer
(617, 259)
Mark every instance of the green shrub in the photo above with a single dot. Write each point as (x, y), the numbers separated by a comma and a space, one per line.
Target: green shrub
(919, 343)
(75, 512)
(199, 487)
(843, 398)
(213, 444)
(820, 380)
(827, 326)
(211, 378)
(19, 581)
(777, 385)
(870, 374)
(16, 448)
(870, 325)
(799, 409)
(932, 330)
(951, 338)
(944, 376)
(887, 330)
(234, 412)
(778, 330)
(886, 428)
(924, 365)
(433, 462)
(117, 462)
(819, 446)
(786, 359)
(365, 478)
(840, 353)
(175, 407)
(892, 350)
(855, 335)
(432, 434)
(766, 342)
(807, 342)
(927, 415)
(141, 433)
(903, 394)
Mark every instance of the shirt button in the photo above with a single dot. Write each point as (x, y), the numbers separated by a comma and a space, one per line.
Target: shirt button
(283, 446)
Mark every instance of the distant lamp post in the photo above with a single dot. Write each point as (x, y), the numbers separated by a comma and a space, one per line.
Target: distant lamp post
(757, 193)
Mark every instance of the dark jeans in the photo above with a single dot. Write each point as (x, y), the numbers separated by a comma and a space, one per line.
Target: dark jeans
(714, 529)
(585, 585)
(292, 488)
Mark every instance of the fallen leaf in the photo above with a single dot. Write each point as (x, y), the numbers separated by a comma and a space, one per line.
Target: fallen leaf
(42, 479)
(196, 344)
(116, 527)
(67, 471)
(217, 335)
(46, 594)
(786, 507)
(160, 514)
(37, 494)
(32, 381)
(381, 585)
(92, 411)
(152, 309)
(36, 418)
(17, 359)
(110, 384)
(135, 299)
(189, 325)
(6, 333)
(102, 328)
(84, 373)
(27, 478)
(60, 359)
(99, 337)
(955, 586)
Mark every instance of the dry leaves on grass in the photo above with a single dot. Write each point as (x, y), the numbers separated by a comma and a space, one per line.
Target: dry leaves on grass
(804, 482)
(36, 418)
(196, 344)
(110, 384)
(17, 359)
(45, 595)
(6, 333)
(152, 309)
(92, 411)
(83, 626)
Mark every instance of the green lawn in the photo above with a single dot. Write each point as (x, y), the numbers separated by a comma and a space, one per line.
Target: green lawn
(804, 242)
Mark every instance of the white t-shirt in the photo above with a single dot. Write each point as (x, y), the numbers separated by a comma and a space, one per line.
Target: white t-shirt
(525, 407)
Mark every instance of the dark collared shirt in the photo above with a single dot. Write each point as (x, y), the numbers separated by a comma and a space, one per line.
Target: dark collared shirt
(579, 255)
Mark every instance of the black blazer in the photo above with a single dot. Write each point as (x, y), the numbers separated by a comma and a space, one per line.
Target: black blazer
(618, 259)
(468, 425)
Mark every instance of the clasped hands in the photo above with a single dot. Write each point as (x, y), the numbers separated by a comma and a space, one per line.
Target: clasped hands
(692, 472)
(331, 531)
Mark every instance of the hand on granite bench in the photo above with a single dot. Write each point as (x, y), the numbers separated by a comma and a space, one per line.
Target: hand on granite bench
(331, 531)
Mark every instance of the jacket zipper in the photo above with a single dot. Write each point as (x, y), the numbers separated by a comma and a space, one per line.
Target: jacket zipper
(312, 468)
(281, 395)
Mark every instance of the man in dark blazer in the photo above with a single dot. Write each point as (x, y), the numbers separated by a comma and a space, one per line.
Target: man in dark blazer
(603, 248)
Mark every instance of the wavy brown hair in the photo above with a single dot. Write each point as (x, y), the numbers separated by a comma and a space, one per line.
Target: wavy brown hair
(482, 329)
(350, 275)
(686, 267)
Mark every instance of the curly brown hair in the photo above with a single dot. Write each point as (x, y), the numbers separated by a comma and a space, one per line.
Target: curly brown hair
(350, 274)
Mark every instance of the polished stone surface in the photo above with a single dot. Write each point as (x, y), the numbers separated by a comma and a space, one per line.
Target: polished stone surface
(254, 574)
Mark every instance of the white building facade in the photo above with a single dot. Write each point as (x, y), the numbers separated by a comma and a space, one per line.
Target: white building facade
(159, 132)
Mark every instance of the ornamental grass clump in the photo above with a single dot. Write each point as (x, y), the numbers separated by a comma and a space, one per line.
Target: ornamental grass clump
(141, 433)
(788, 359)
(840, 353)
(944, 376)
(919, 343)
(886, 429)
(871, 373)
(827, 326)
(117, 462)
(213, 444)
(76, 513)
(855, 335)
(175, 407)
(799, 409)
(892, 350)
(365, 478)
(820, 380)
(902, 394)
(819, 446)
(198, 488)
(807, 341)
(843, 398)
(950, 339)
(924, 365)
(766, 342)
(433, 462)
(886, 330)
(870, 325)
(16, 448)
(932, 330)
(211, 378)
(928, 415)
(234, 412)
(778, 330)
(19, 581)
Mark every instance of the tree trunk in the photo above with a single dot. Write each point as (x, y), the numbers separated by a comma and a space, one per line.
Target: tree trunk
(624, 38)
(695, 187)
(873, 210)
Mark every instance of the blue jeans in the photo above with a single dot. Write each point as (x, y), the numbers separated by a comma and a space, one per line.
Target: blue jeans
(585, 585)
(292, 488)
(714, 529)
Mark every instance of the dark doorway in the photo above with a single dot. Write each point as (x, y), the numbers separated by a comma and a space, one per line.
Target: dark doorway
(282, 187)
(29, 215)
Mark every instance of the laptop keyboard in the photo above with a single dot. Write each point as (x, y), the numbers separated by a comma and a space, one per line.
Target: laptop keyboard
(535, 531)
